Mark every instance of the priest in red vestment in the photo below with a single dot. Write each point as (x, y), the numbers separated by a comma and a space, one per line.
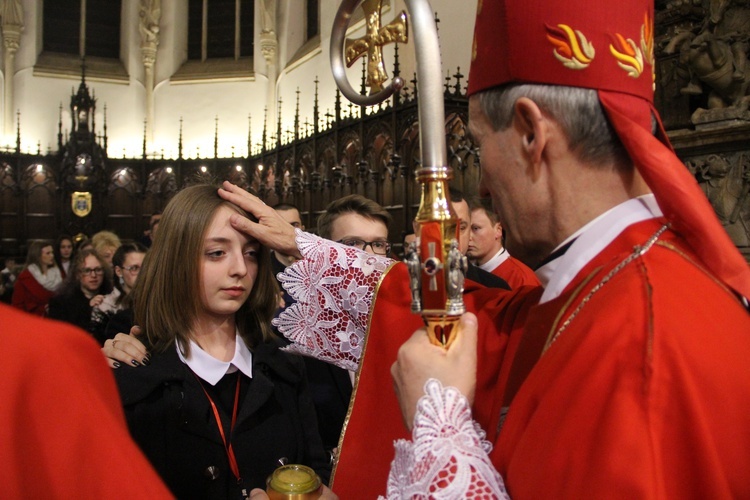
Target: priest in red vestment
(62, 429)
(629, 377)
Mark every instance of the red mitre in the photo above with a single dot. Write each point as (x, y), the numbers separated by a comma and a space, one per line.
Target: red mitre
(609, 47)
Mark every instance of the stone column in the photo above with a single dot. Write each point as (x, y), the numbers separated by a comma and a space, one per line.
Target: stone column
(269, 45)
(150, 14)
(12, 26)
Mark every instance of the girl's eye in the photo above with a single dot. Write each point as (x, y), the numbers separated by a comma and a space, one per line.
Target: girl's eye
(253, 254)
(215, 254)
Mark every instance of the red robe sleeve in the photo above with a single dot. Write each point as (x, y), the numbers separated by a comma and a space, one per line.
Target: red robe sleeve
(62, 429)
(374, 421)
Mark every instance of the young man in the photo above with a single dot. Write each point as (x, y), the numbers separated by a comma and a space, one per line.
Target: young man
(487, 251)
(279, 261)
(475, 273)
(357, 221)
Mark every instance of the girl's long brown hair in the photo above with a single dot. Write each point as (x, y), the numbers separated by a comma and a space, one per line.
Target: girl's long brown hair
(166, 297)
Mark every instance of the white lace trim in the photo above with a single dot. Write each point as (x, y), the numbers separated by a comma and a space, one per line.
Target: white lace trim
(448, 457)
(334, 286)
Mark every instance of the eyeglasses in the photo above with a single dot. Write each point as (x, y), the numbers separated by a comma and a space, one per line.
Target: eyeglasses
(96, 271)
(379, 247)
(132, 269)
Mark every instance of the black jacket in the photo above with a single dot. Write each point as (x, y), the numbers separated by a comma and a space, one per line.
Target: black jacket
(71, 306)
(171, 419)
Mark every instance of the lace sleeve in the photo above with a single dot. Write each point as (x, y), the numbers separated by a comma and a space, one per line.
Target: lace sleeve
(334, 286)
(448, 457)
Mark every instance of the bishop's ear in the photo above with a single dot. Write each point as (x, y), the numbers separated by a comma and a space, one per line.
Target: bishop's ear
(529, 122)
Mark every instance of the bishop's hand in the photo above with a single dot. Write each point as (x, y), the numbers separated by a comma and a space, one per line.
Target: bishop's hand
(419, 360)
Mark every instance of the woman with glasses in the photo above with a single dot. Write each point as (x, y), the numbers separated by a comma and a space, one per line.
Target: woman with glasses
(127, 264)
(85, 287)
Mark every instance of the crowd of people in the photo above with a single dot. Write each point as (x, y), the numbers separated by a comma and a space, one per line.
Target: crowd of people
(80, 281)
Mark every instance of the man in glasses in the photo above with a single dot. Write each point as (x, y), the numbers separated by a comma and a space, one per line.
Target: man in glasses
(357, 222)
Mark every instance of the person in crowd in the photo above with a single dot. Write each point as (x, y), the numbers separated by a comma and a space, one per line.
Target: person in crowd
(81, 242)
(474, 273)
(62, 429)
(64, 253)
(217, 405)
(358, 222)
(409, 237)
(487, 251)
(8, 277)
(39, 281)
(279, 261)
(106, 244)
(88, 282)
(149, 234)
(127, 263)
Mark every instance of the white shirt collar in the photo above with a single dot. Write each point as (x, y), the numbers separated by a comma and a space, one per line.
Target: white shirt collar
(592, 239)
(500, 257)
(211, 369)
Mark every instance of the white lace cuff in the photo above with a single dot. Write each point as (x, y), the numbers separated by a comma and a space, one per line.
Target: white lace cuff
(448, 457)
(334, 288)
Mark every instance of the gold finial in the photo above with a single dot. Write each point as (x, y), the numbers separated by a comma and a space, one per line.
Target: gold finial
(371, 44)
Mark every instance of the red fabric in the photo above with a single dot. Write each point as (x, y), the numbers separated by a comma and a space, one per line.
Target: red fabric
(374, 422)
(544, 41)
(62, 429)
(516, 273)
(645, 394)
(676, 191)
(29, 295)
(517, 42)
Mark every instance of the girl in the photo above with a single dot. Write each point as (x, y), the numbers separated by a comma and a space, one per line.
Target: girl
(218, 406)
(64, 253)
(87, 283)
(39, 281)
(126, 263)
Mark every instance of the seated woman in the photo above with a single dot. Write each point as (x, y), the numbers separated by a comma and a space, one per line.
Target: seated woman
(218, 405)
(127, 264)
(84, 288)
(39, 281)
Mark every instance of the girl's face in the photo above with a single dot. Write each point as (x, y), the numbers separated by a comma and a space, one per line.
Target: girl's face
(92, 275)
(228, 264)
(48, 256)
(66, 249)
(130, 269)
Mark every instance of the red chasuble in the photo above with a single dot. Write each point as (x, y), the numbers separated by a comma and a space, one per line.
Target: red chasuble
(644, 392)
(516, 273)
(62, 429)
(374, 420)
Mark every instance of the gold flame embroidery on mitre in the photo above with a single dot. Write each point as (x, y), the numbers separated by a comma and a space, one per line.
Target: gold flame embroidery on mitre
(572, 48)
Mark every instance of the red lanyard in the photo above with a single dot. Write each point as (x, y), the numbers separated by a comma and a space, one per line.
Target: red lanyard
(228, 448)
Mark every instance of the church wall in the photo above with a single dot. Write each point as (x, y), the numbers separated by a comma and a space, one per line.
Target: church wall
(38, 97)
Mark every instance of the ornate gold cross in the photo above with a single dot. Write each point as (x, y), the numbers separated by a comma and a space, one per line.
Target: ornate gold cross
(371, 44)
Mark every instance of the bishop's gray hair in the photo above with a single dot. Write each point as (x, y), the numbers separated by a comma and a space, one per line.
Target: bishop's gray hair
(577, 110)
